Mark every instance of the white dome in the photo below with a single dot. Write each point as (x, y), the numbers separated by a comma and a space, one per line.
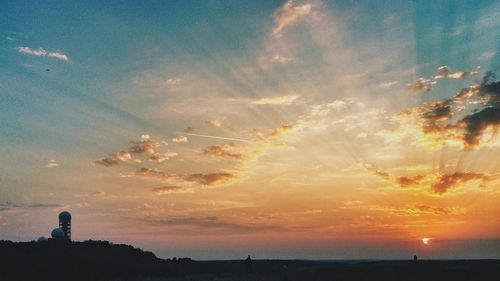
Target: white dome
(57, 233)
(41, 239)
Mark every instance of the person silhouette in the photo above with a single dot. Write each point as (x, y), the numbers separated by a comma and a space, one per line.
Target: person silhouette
(415, 258)
(248, 264)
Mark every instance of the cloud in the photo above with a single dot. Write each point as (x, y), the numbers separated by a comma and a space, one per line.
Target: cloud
(438, 183)
(281, 59)
(448, 181)
(180, 139)
(422, 85)
(52, 164)
(409, 181)
(386, 85)
(108, 161)
(463, 74)
(12, 207)
(444, 71)
(289, 14)
(223, 150)
(214, 224)
(154, 173)
(439, 211)
(280, 131)
(190, 130)
(381, 174)
(174, 81)
(161, 157)
(58, 55)
(145, 145)
(289, 99)
(216, 123)
(447, 121)
(209, 178)
(40, 52)
(168, 189)
(115, 159)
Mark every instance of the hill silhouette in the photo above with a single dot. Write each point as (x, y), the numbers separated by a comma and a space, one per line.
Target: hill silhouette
(88, 260)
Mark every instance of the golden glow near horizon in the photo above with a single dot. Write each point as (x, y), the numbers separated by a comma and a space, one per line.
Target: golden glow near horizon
(285, 127)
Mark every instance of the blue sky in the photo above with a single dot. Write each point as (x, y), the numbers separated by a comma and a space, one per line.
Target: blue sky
(244, 112)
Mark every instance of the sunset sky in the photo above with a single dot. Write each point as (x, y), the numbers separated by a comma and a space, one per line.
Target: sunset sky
(280, 129)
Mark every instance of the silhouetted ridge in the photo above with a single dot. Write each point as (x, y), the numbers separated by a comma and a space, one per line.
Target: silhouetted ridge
(88, 260)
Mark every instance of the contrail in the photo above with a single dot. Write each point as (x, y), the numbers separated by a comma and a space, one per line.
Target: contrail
(213, 137)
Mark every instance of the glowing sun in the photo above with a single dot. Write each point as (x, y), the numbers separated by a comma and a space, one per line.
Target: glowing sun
(426, 240)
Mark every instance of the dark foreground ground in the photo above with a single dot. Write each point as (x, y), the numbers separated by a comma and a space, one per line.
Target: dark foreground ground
(101, 260)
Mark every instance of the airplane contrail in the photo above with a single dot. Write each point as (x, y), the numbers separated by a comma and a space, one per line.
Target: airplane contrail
(213, 137)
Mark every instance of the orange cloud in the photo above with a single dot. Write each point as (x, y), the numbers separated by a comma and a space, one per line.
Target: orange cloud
(167, 189)
(223, 150)
(210, 178)
(447, 181)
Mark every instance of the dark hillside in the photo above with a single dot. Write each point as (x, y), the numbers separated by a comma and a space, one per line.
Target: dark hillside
(89, 260)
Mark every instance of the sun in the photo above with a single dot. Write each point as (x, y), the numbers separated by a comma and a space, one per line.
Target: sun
(426, 240)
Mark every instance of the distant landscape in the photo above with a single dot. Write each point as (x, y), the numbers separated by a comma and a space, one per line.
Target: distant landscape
(101, 260)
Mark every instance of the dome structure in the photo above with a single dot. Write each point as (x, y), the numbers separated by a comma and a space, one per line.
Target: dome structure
(65, 216)
(57, 233)
(41, 239)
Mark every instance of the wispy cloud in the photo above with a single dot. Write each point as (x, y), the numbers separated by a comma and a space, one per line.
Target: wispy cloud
(277, 58)
(52, 164)
(40, 52)
(288, 99)
(289, 14)
(426, 85)
(169, 189)
(387, 85)
(214, 224)
(209, 178)
(438, 183)
(12, 207)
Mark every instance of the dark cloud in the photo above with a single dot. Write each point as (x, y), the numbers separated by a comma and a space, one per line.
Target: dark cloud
(448, 181)
(108, 161)
(210, 178)
(9, 206)
(437, 117)
(145, 145)
(214, 224)
(440, 184)
(223, 150)
(409, 181)
(167, 189)
(154, 173)
(477, 123)
(190, 130)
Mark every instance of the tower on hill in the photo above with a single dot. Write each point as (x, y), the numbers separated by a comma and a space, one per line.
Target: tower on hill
(65, 224)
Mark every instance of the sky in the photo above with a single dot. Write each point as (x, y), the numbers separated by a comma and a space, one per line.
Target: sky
(279, 129)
